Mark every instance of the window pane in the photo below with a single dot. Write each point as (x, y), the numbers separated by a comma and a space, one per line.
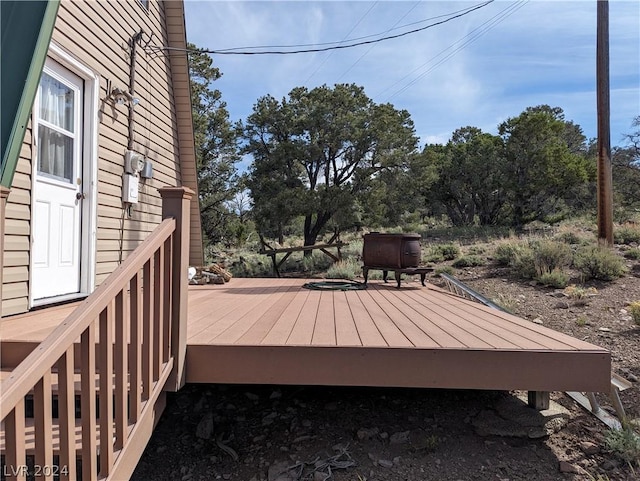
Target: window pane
(56, 102)
(55, 154)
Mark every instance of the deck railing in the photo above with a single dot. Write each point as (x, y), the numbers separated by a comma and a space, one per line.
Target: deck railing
(117, 350)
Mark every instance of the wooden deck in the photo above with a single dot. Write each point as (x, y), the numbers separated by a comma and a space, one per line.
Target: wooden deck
(273, 331)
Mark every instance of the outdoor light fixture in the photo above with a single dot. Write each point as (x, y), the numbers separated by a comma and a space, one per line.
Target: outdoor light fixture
(121, 97)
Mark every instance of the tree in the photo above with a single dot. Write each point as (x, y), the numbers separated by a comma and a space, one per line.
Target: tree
(626, 170)
(216, 140)
(471, 175)
(316, 150)
(544, 163)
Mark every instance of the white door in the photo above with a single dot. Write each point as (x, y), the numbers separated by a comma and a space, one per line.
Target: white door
(57, 189)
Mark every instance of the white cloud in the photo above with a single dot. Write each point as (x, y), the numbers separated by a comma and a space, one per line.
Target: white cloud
(542, 53)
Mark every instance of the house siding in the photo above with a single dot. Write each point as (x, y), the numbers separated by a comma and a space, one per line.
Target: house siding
(97, 34)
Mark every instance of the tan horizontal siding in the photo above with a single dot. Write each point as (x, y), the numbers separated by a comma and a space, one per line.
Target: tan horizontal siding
(15, 259)
(20, 196)
(14, 290)
(21, 181)
(16, 243)
(17, 211)
(14, 306)
(97, 34)
(15, 274)
(17, 227)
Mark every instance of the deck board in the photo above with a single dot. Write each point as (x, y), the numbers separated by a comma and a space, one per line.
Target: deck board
(281, 328)
(390, 332)
(324, 330)
(346, 330)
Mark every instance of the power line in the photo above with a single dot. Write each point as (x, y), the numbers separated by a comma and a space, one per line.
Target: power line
(395, 27)
(324, 49)
(471, 37)
(372, 46)
(343, 40)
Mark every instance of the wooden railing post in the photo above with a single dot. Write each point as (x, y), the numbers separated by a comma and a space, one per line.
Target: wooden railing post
(4, 193)
(176, 203)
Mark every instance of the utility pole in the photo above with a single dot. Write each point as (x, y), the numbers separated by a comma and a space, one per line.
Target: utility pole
(605, 182)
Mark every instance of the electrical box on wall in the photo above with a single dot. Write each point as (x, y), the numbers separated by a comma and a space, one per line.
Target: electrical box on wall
(130, 188)
(133, 162)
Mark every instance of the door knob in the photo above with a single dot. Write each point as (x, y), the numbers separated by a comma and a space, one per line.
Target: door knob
(80, 195)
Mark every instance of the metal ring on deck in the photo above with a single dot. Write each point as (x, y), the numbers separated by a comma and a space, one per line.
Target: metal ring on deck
(335, 286)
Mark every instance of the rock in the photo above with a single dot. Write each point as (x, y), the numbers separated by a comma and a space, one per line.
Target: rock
(589, 448)
(367, 433)
(385, 463)
(205, 427)
(566, 467)
(562, 305)
(278, 471)
(632, 377)
(610, 464)
(537, 320)
(275, 395)
(251, 396)
(399, 438)
(604, 329)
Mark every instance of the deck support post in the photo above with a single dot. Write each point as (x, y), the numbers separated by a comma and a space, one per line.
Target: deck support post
(539, 400)
(4, 194)
(176, 204)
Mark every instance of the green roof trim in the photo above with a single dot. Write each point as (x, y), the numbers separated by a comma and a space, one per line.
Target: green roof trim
(26, 33)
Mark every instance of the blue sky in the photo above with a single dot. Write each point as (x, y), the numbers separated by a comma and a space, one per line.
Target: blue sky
(476, 70)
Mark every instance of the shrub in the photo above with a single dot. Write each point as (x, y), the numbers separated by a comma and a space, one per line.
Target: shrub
(353, 249)
(251, 265)
(506, 251)
(524, 263)
(468, 261)
(477, 250)
(624, 443)
(433, 255)
(633, 253)
(449, 251)
(595, 262)
(569, 237)
(581, 321)
(550, 256)
(627, 234)
(508, 303)
(344, 269)
(579, 292)
(441, 252)
(634, 310)
(444, 270)
(557, 279)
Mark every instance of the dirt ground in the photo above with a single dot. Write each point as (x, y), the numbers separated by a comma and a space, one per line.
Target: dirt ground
(287, 433)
